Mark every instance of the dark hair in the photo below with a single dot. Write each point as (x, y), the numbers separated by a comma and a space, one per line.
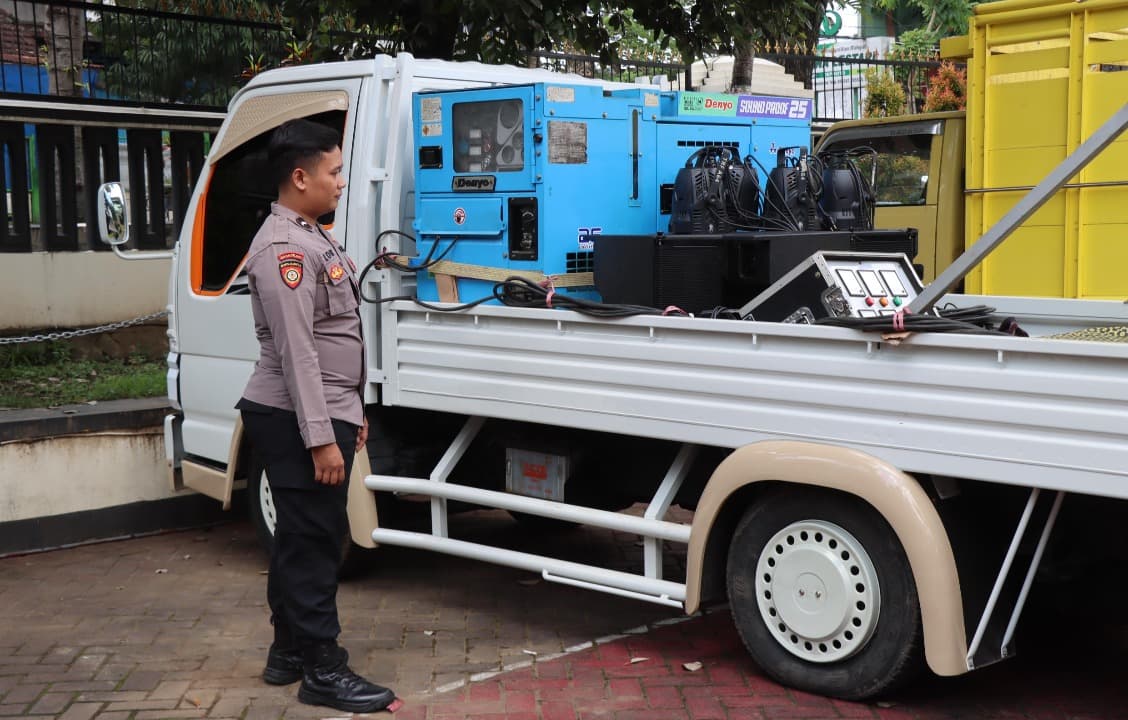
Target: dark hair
(297, 143)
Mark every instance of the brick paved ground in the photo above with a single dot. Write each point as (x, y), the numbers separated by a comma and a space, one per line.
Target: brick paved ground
(174, 626)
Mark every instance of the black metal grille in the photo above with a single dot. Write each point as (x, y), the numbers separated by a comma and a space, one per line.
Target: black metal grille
(579, 262)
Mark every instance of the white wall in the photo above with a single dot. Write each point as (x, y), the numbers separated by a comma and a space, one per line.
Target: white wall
(77, 289)
(60, 475)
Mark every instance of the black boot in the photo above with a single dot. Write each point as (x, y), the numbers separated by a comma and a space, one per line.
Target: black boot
(283, 666)
(328, 681)
(284, 659)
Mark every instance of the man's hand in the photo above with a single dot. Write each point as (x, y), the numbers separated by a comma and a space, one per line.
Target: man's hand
(328, 464)
(362, 435)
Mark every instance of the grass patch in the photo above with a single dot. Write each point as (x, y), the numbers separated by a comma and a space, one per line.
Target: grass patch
(45, 375)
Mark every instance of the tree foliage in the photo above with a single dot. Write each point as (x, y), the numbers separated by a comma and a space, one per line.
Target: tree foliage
(506, 30)
(885, 96)
(941, 18)
(947, 89)
(184, 56)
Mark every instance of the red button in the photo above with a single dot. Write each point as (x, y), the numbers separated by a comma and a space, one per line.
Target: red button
(869, 301)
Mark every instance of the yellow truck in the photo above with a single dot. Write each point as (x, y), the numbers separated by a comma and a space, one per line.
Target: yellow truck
(1042, 76)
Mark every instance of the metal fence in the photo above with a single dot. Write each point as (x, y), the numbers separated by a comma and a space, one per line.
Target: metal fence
(93, 50)
(54, 156)
(840, 85)
(675, 76)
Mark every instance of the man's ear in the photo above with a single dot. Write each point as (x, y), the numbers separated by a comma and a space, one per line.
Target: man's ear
(299, 178)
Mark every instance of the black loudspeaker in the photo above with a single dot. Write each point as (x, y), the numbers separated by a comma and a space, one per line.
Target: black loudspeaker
(700, 272)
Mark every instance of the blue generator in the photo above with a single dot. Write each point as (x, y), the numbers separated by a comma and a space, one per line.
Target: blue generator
(523, 179)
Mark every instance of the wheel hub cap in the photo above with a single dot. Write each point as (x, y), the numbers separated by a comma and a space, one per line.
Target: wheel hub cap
(817, 591)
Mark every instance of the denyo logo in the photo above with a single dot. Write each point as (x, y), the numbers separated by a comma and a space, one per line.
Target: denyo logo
(722, 105)
(473, 183)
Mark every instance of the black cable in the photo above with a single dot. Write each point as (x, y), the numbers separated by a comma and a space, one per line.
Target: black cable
(794, 226)
(970, 320)
(522, 292)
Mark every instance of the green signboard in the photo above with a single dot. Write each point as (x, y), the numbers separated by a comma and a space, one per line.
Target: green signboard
(715, 104)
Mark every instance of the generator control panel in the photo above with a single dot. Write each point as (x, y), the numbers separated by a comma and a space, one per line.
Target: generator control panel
(838, 284)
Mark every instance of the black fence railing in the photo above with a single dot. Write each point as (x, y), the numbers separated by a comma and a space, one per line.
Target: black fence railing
(677, 75)
(113, 53)
(840, 85)
(54, 156)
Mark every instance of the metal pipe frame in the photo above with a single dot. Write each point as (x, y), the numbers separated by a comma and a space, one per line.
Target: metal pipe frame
(660, 505)
(649, 586)
(663, 592)
(660, 529)
(443, 470)
(1004, 571)
(1035, 562)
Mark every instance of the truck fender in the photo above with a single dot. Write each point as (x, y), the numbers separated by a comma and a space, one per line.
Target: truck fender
(898, 497)
(361, 503)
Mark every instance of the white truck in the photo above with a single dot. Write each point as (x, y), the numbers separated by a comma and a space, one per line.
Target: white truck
(847, 488)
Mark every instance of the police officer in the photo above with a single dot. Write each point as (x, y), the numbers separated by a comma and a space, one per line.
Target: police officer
(304, 414)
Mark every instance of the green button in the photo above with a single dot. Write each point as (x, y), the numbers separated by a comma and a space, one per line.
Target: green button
(897, 301)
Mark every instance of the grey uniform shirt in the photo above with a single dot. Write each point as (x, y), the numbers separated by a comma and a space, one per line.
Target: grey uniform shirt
(305, 299)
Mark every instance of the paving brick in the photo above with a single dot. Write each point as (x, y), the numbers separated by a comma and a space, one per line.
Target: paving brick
(199, 698)
(24, 693)
(51, 703)
(229, 707)
(146, 680)
(266, 712)
(171, 714)
(98, 696)
(520, 701)
(700, 708)
(169, 690)
(60, 655)
(81, 711)
(663, 697)
(142, 705)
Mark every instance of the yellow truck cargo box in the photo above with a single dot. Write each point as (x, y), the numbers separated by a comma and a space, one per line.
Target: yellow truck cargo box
(1042, 76)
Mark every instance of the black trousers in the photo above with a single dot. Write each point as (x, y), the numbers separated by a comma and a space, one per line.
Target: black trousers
(311, 526)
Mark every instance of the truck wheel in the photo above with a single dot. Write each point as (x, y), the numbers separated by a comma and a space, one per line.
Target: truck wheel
(823, 596)
(264, 518)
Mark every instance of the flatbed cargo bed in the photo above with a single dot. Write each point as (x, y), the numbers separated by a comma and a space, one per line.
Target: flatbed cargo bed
(1034, 411)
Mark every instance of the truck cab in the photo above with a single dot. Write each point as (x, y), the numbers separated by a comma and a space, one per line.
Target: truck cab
(212, 346)
(916, 168)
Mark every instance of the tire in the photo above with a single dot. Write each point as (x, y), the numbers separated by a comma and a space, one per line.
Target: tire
(823, 596)
(263, 517)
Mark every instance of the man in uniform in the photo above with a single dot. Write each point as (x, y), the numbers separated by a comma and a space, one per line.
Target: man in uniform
(303, 411)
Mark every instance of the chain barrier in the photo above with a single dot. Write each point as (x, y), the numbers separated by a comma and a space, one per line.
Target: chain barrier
(68, 334)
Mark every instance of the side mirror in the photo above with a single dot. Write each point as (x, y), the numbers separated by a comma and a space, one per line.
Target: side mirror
(113, 223)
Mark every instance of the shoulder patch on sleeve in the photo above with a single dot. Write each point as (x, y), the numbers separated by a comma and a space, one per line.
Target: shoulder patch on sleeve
(291, 268)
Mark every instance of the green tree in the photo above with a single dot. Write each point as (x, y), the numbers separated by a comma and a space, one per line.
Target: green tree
(181, 55)
(885, 96)
(939, 18)
(506, 30)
